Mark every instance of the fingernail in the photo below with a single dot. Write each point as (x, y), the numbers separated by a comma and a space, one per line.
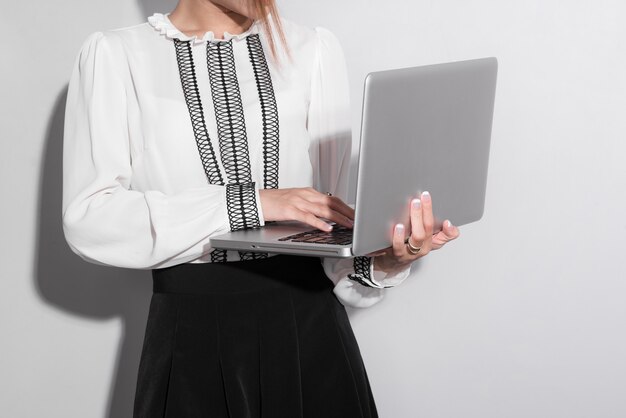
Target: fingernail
(426, 196)
(399, 228)
(416, 203)
(329, 228)
(449, 224)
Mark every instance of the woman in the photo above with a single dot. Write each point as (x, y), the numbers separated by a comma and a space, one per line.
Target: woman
(222, 116)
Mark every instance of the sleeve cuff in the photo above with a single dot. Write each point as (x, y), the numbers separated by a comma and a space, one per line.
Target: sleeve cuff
(389, 279)
(365, 274)
(357, 284)
(243, 205)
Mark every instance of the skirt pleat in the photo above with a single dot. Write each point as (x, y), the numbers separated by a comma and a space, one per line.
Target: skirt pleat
(279, 355)
(263, 338)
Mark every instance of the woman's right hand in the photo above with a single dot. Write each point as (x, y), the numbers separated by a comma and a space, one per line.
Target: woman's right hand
(305, 205)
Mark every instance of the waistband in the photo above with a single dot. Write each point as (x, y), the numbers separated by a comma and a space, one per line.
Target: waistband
(296, 272)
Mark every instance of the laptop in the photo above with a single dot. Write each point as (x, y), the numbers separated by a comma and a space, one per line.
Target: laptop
(423, 128)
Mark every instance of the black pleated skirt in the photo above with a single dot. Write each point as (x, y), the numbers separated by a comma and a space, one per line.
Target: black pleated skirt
(264, 338)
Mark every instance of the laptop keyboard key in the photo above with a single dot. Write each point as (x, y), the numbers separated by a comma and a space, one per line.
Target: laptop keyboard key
(338, 236)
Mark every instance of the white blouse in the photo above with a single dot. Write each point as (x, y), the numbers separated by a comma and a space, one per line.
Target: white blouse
(169, 137)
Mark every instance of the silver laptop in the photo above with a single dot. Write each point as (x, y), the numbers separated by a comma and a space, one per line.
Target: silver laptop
(423, 128)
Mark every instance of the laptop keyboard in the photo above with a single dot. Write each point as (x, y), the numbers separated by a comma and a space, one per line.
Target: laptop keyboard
(340, 235)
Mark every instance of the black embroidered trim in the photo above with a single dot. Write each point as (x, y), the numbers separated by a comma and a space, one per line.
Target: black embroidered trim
(219, 256)
(241, 205)
(243, 212)
(362, 272)
(187, 71)
(233, 141)
(231, 126)
(189, 82)
(269, 111)
(246, 256)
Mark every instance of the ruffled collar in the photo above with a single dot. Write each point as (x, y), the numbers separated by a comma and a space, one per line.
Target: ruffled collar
(161, 23)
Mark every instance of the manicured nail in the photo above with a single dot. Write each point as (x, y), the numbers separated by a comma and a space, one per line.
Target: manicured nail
(416, 203)
(449, 224)
(399, 228)
(329, 228)
(426, 196)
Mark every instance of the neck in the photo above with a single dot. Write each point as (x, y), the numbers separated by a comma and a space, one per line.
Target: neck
(196, 17)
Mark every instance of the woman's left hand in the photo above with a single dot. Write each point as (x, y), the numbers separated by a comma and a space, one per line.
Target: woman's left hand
(421, 239)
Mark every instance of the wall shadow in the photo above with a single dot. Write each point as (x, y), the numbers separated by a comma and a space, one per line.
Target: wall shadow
(94, 292)
(149, 7)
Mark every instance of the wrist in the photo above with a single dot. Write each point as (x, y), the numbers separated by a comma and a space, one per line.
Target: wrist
(387, 265)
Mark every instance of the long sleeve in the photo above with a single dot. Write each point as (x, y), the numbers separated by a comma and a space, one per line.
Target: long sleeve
(356, 282)
(105, 221)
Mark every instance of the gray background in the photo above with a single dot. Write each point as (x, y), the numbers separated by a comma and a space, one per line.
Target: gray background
(524, 316)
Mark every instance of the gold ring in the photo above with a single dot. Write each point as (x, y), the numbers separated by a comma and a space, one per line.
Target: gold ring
(412, 248)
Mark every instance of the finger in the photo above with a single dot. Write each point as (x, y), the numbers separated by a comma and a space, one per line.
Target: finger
(319, 210)
(448, 233)
(418, 234)
(323, 211)
(309, 218)
(342, 220)
(427, 214)
(340, 206)
(398, 245)
(332, 202)
(340, 212)
(438, 241)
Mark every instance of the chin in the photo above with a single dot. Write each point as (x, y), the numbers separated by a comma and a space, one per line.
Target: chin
(242, 7)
